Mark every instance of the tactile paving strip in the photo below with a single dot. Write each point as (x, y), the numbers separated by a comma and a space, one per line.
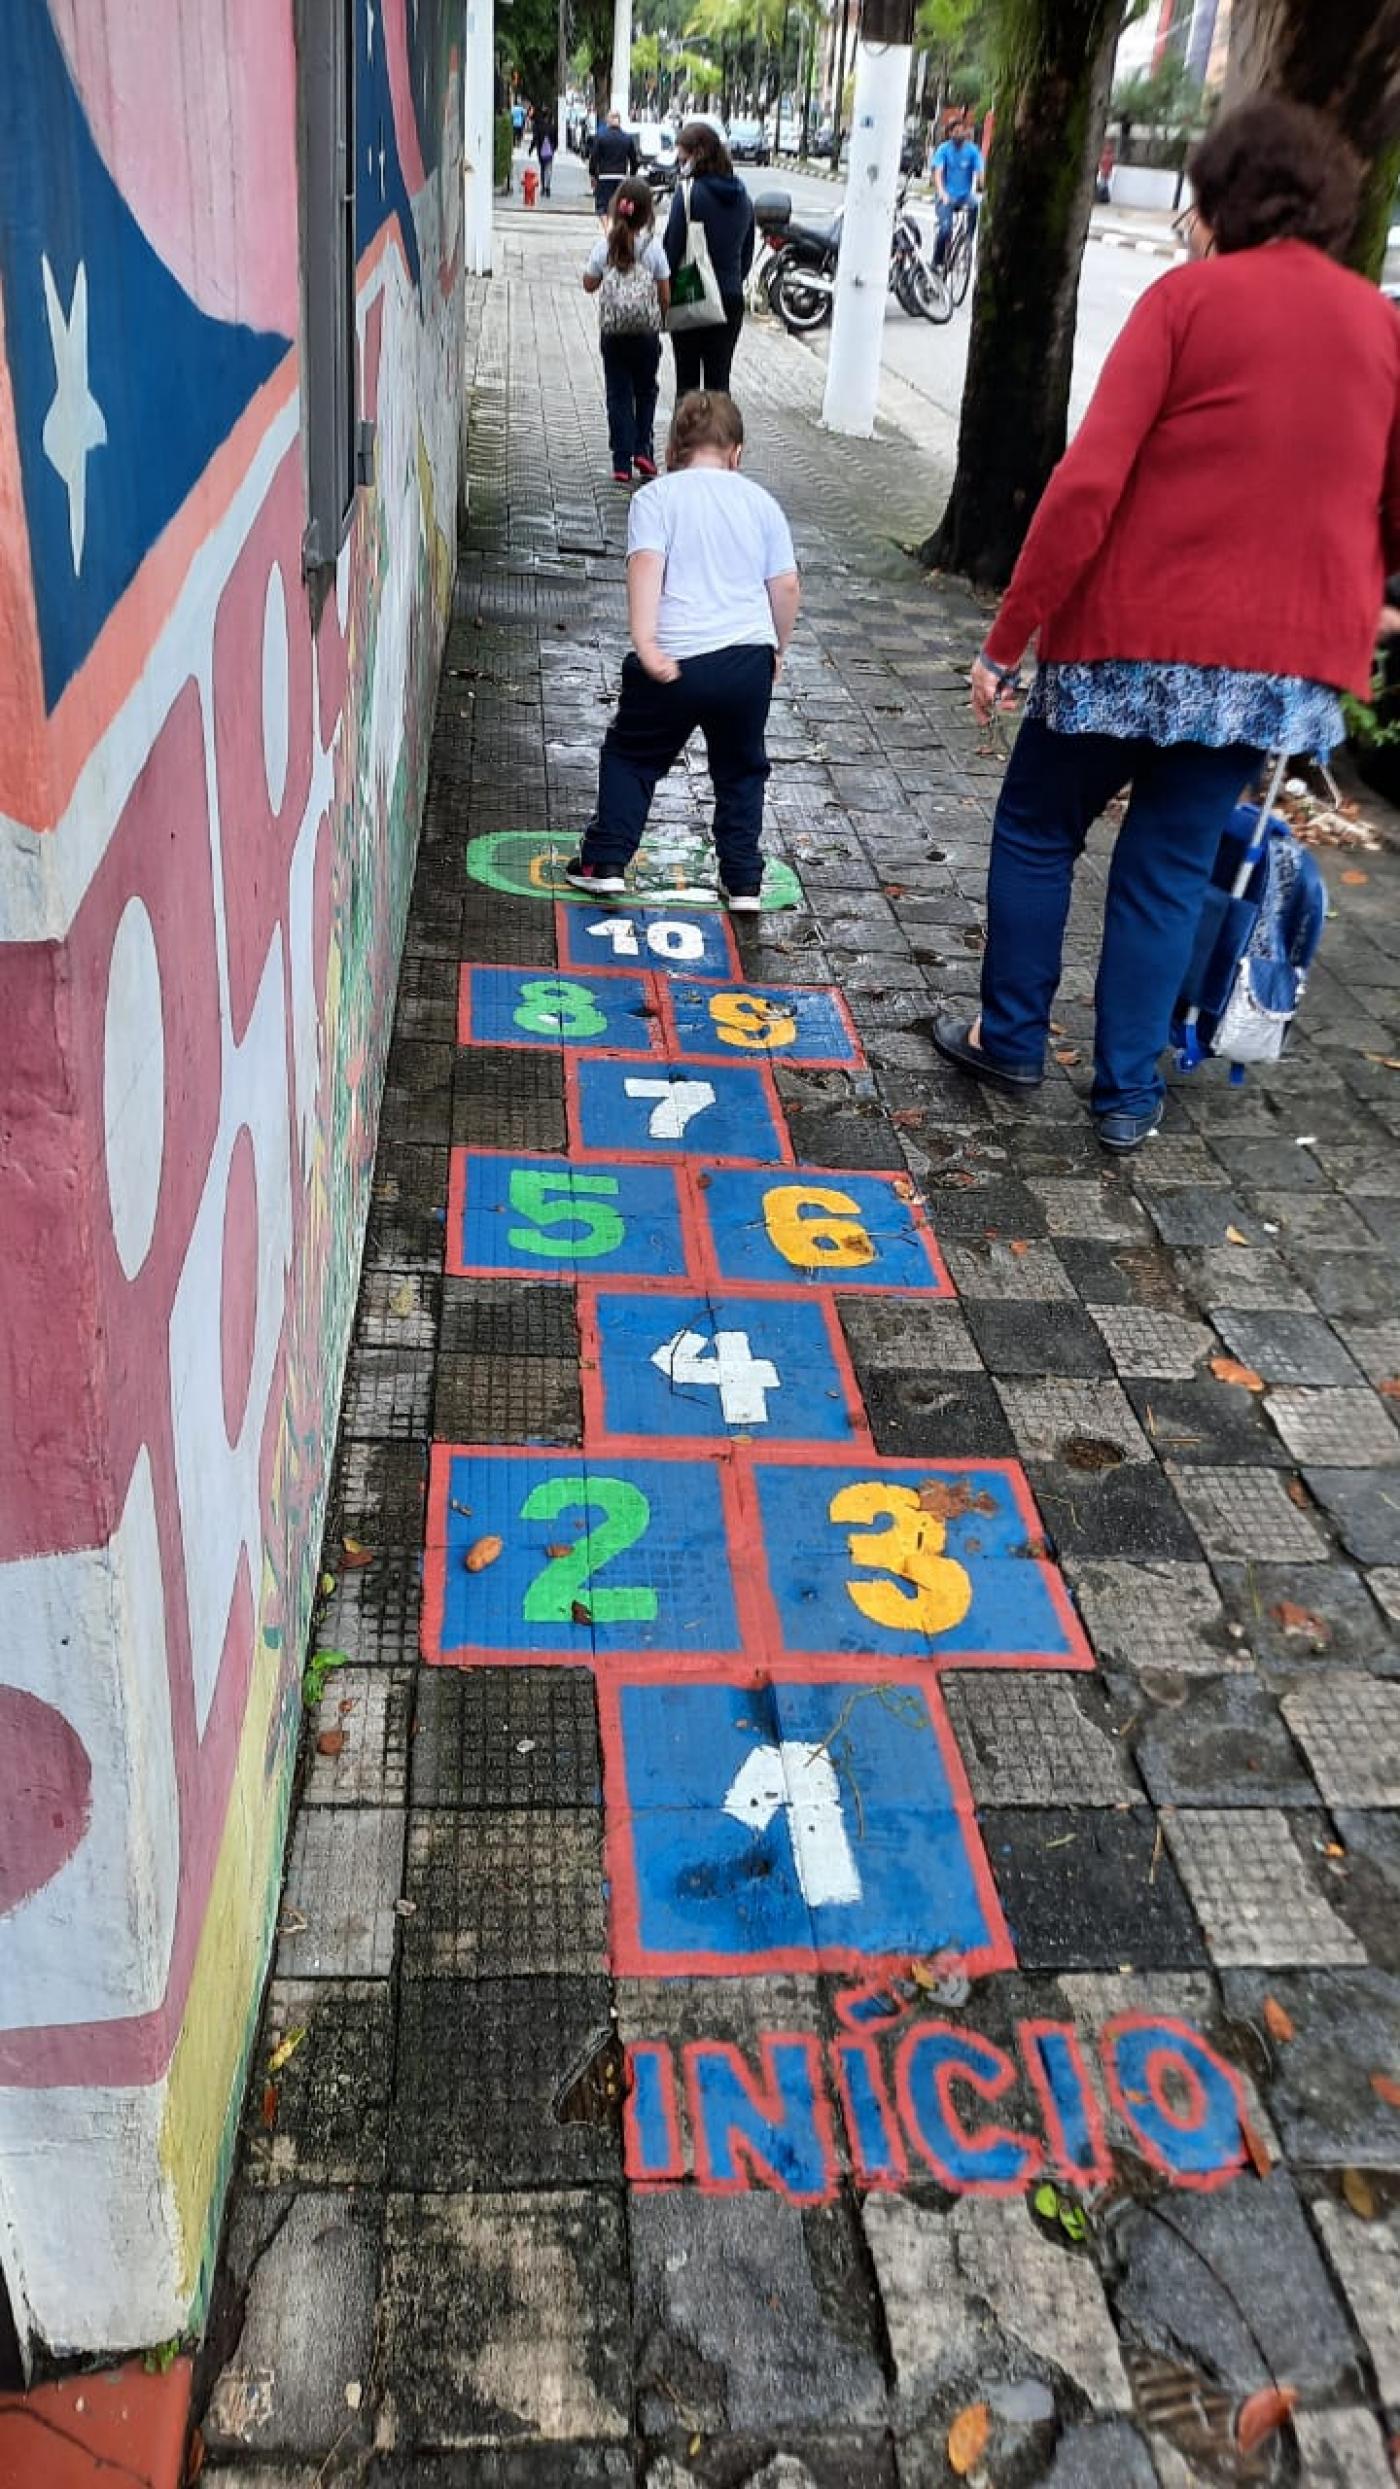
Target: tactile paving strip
(497, 1318)
(488, 1399)
(505, 1098)
(506, 1737)
(323, 2119)
(481, 2065)
(503, 1891)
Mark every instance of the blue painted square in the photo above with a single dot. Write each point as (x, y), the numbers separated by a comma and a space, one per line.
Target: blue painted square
(811, 1823)
(839, 1230)
(671, 943)
(645, 1567)
(713, 1110)
(562, 1222)
(759, 1367)
(534, 1007)
(762, 1023)
(917, 1583)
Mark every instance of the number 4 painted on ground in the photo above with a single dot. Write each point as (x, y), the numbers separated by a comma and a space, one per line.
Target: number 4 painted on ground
(680, 1101)
(727, 1365)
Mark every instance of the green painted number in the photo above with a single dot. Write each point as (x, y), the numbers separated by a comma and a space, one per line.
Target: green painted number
(600, 1230)
(553, 1594)
(553, 1007)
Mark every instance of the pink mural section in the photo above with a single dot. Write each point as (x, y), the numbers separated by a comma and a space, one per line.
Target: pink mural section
(208, 762)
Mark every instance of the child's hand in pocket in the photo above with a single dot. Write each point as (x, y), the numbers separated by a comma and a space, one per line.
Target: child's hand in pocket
(658, 665)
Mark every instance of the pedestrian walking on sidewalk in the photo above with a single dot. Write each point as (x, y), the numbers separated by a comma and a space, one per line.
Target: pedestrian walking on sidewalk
(712, 598)
(542, 145)
(709, 193)
(612, 158)
(1204, 574)
(627, 271)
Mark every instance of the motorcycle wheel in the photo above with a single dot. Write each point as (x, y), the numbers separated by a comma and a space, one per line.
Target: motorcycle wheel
(929, 289)
(771, 277)
(802, 308)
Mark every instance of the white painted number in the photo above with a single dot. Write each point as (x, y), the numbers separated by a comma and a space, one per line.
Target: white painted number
(680, 1102)
(800, 1778)
(667, 938)
(725, 1364)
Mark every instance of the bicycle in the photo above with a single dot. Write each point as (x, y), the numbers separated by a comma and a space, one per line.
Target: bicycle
(955, 257)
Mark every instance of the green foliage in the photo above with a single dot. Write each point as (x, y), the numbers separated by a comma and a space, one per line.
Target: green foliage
(1373, 725)
(527, 37)
(503, 139)
(1165, 98)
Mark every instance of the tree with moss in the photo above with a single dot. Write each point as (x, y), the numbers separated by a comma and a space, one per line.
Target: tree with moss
(1343, 57)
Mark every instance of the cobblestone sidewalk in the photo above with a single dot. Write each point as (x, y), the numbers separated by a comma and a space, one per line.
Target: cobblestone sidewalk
(842, 1922)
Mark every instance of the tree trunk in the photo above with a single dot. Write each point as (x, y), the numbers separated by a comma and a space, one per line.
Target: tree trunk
(1344, 57)
(1051, 107)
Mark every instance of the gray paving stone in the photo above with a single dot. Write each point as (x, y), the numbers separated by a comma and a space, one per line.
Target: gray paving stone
(1200, 1216)
(1037, 1339)
(995, 1271)
(1252, 1891)
(498, 1318)
(372, 1616)
(1207, 1423)
(910, 1338)
(505, 2318)
(1221, 1744)
(1363, 1506)
(1248, 1513)
(1231, 2282)
(1342, 1429)
(489, 1399)
(1088, 1889)
(924, 1417)
(506, 1737)
(838, 2459)
(1342, 2450)
(506, 1097)
(1143, 1275)
(1308, 1218)
(1368, 1880)
(397, 1309)
(1347, 1286)
(505, 2082)
(380, 1494)
(368, 1708)
(1287, 1348)
(305, 2266)
(1127, 1513)
(1145, 1344)
(980, 2292)
(343, 1879)
(1071, 1422)
(1291, 1614)
(1151, 1617)
(527, 2466)
(1101, 2454)
(497, 1891)
(1346, 2027)
(1024, 1737)
(1366, 2259)
(388, 1392)
(751, 2315)
(1086, 1206)
(1250, 1277)
(321, 2121)
(1348, 1725)
(1376, 1348)
(1384, 1581)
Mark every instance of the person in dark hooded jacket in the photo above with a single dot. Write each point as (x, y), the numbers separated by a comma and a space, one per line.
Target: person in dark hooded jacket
(719, 202)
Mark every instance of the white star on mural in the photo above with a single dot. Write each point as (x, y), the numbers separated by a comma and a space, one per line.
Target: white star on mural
(74, 425)
(369, 29)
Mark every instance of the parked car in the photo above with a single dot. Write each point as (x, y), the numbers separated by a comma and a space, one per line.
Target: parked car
(656, 145)
(748, 143)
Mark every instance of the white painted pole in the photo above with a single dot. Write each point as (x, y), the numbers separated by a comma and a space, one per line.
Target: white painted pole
(862, 274)
(622, 58)
(478, 97)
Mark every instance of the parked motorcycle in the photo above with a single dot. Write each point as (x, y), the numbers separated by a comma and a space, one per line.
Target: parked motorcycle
(800, 266)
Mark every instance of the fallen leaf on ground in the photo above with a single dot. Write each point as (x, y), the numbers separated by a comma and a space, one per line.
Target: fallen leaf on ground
(1295, 1619)
(581, 1614)
(483, 1551)
(402, 1299)
(1230, 1370)
(1387, 1062)
(269, 2106)
(1262, 2413)
(948, 1503)
(356, 1555)
(1387, 2089)
(1353, 877)
(1298, 1494)
(1390, 1388)
(1357, 2189)
(332, 1741)
(286, 2049)
(908, 1116)
(1046, 2202)
(1233, 1236)
(1068, 1056)
(1261, 2158)
(194, 2460)
(1018, 1246)
(967, 2438)
(1278, 2022)
(564, 1549)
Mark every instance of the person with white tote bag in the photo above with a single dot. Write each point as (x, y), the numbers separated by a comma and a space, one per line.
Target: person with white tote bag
(709, 242)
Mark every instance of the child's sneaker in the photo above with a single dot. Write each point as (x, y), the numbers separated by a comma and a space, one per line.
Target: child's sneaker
(744, 902)
(587, 877)
(646, 469)
(622, 475)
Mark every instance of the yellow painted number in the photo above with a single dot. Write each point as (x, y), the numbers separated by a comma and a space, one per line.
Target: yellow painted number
(750, 1021)
(939, 1590)
(816, 1228)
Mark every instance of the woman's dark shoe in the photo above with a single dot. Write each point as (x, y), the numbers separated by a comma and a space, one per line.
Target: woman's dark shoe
(1121, 1133)
(953, 1039)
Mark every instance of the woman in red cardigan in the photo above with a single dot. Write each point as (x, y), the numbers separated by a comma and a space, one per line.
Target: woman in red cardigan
(1203, 578)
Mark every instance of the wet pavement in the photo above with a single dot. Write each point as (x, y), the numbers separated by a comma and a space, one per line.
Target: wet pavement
(841, 1923)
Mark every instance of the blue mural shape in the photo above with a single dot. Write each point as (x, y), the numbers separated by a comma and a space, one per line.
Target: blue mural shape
(380, 188)
(646, 937)
(718, 1111)
(96, 323)
(533, 1007)
(762, 1023)
(760, 1368)
(838, 1230)
(597, 1556)
(896, 1560)
(812, 1823)
(538, 1215)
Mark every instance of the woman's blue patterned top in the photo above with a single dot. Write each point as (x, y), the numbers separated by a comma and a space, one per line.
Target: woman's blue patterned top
(1213, 704)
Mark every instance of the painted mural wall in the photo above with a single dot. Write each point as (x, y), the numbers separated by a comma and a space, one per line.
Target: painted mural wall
(208, 810)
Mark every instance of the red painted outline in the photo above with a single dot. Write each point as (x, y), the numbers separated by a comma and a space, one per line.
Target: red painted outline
(566, 913)
(1100, 2168)
(987, 2087)
(578, 1149)
(1201, 2181)
(769, 2100)
(596, 1433)
(545, 1045)
(852, 1062)
(633, 2158)
(631, 1959)
(835, 1283)
(875, 2181)
(568, 1274)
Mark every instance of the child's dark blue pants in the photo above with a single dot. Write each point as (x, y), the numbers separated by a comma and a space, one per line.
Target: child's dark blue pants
(726, 694)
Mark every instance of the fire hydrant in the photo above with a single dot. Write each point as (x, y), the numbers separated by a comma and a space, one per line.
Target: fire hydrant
(530, 183)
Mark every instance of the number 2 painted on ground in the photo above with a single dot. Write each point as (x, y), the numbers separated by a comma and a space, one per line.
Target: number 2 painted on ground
(752, 1022)
(598, 1229)
(910, 1545)
(816, 1228)
(667, 939)
(551, 1596)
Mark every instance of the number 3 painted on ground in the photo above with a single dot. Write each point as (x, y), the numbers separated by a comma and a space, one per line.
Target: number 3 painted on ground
(816, 1228)
(910, 1547)
(750, 1021)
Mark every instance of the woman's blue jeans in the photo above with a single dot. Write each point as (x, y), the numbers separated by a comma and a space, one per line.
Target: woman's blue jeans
(1055, 787)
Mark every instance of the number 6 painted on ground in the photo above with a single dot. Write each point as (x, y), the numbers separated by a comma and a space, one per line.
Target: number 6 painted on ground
(835, 1238)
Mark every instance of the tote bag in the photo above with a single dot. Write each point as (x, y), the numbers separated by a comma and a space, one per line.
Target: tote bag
(695, 294)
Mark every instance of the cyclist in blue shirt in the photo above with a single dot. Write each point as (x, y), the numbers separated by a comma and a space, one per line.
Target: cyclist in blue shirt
(958, 167)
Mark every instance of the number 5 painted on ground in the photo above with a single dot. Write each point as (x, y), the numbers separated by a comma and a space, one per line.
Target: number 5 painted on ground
(751, 1022)
(909, 1546)
(816, 1228)
(599, 1229)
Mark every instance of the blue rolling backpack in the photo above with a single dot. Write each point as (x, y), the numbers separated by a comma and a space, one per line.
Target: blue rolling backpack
(1260, 927)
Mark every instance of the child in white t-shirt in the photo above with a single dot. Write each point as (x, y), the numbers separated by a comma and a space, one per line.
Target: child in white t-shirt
(631, 276)
(712, 598)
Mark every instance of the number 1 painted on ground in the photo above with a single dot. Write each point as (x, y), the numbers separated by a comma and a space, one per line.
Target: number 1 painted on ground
(800, 1778)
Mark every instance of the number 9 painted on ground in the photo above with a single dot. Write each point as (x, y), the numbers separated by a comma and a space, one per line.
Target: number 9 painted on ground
(751, 1022)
